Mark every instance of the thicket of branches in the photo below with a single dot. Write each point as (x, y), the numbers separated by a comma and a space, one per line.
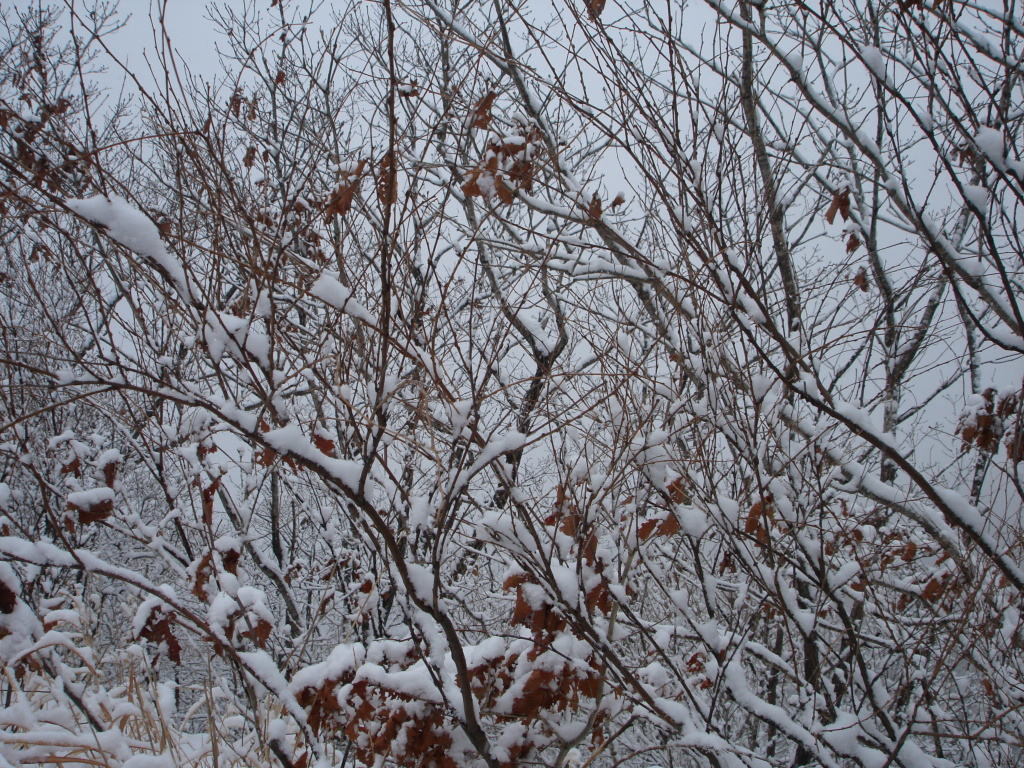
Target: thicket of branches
(494, 384)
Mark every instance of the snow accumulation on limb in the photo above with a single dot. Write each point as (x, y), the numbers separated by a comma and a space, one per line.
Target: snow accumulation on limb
(134, 230)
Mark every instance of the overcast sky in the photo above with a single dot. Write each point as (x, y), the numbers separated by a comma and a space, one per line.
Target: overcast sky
(193, 34)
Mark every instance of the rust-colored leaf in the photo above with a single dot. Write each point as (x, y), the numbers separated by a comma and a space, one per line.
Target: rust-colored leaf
(594, 8)
(522, 612)
(695, 665)
(482, 110)
(727, 565)
(934, 589)
(840, 205)
(203, 574)
(669, 525)
(260, 633)
(343, 197)
(521, 174)
(861, 279)
(594, 208)
(588, 550)
(753, 520)
(471, 187)
(647, 529)
(324, 445)
(599, 598)
(208, 494)
(505, 193)
(265, 457)
(94, 513)
(677, 492)
(515, 580)
(110, 472)
(387, 181)
(229, 559)
(853, 243)
(157, 629)
(73, 467)
(250, 157)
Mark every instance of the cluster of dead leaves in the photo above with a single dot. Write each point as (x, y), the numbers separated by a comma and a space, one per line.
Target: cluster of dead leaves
(841, 206)
(157, 629)
(413, 733)
(547, 688)
(985, 426)
(24, 132)
(566, 519)
(507, 166)
(99, 510)
(206, 569)
(760, 518)
(696, 666)
(379, 721)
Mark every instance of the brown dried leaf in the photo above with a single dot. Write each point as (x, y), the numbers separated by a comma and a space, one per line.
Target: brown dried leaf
(677, 492)
(342, 199)
(8, 599)
(599, 598)
(204, 572)
(482, 110)
(73, 467)
(471, 187)
(594, 8)
(861, 279)
(387, 181)
(522, 612)
(323, 445)
(840, 205)
(157, 629)
(94, 513)
(260, 633)
(515, 580)
(208, 495)
(110, 472)
(934, 589)
(505, 193)
(669, 525)
(229, 559)
(909, 552)
(266, 457)
(647, 530)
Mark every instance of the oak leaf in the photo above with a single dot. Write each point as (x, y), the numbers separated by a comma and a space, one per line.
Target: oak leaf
(482, 110)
